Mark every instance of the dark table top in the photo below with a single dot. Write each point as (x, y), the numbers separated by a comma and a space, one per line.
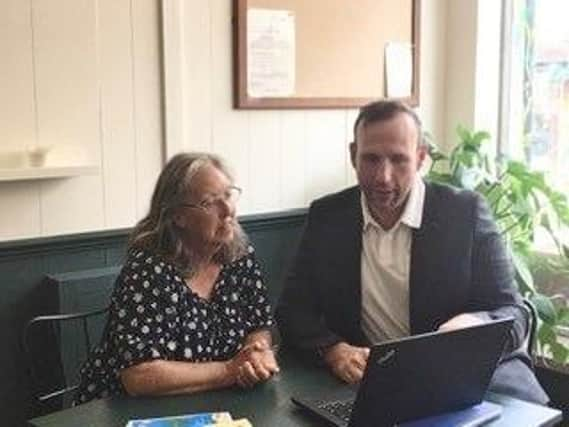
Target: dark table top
(265, 405)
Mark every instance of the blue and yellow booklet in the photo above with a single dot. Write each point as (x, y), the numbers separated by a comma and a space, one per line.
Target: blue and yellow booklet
(205, 419)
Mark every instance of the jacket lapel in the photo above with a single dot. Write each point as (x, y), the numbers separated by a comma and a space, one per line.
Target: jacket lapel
(425, 255)
(351, 275)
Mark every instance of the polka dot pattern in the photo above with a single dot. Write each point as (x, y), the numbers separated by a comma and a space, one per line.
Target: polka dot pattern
(155, 315)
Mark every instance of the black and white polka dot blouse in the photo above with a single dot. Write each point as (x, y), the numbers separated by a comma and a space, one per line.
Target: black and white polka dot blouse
(154, 315)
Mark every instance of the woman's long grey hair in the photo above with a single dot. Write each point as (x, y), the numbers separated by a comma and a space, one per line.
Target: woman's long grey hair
(158, 232)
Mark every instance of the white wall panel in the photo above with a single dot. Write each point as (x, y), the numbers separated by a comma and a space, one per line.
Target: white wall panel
(85, 74)
(71, 205)
(230, 128)
(293, 159)
(272, 152)
(117, 111)
(351, 116)
(17, 116)
(285, 158)
(264, 164)
(67, 109)
(147, 99)
(460, 66)
(326, 152)
(200, 79)
(19, 208)
(433, 67)
(98, 85)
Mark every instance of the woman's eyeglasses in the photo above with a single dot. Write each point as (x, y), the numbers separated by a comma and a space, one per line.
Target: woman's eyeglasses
(214, 204)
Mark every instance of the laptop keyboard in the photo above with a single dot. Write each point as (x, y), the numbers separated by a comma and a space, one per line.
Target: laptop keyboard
(341, 408)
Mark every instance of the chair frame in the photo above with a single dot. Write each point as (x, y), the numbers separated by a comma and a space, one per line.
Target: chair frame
(532, 327)
(83, 317)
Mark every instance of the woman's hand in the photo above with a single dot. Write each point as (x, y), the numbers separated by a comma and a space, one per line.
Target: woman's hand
(256, 362)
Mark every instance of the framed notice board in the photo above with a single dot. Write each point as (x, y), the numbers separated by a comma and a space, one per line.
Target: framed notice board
(325, 53)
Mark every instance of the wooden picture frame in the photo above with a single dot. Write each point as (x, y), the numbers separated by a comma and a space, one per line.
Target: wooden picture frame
(338, 51)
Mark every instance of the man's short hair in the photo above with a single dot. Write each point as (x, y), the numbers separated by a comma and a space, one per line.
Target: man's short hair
(383, 110)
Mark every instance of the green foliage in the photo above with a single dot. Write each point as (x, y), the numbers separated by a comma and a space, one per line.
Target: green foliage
(523, 204)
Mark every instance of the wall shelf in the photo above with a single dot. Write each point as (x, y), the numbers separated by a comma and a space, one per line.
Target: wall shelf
(46, 172)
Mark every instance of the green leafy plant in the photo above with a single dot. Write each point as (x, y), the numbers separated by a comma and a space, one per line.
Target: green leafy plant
(523, 205)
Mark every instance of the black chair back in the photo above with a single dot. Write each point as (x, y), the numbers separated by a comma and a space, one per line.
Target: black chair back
(532, 327)
(55, 346)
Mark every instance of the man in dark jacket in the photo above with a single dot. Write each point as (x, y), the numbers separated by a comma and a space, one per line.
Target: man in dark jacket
(396, 256)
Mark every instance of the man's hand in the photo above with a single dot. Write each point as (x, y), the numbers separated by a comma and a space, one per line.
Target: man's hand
(347, 361)
(460, 321)
(256, 362)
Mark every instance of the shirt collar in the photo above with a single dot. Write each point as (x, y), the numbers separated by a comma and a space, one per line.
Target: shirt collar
(412, 215)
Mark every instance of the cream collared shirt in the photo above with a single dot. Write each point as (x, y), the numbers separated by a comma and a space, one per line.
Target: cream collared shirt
(385, 266)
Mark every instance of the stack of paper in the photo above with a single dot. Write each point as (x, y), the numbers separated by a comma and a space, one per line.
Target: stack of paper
(204, 419)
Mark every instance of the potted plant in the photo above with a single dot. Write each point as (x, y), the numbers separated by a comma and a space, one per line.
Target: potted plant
(524, 204)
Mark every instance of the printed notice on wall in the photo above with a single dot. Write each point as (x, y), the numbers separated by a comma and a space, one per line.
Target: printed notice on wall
(270, 53)
(398, 70)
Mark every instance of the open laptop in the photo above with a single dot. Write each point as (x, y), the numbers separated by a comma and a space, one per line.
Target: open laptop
(417, 376)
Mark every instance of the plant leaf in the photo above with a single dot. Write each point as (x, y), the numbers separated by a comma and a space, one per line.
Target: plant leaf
(479, 138)
(545, 308)
(433, 149)
(563, 316)
(463, 133)
(523, 271)
(559, 352)
(546, 335)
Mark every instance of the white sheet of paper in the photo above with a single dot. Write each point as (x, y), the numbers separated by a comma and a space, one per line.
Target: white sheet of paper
(398, 69)
(270, 53)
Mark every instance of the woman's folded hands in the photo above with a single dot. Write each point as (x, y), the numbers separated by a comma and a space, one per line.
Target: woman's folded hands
(256, 362)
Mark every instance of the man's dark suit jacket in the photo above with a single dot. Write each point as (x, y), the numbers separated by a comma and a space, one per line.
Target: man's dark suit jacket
(458, 264)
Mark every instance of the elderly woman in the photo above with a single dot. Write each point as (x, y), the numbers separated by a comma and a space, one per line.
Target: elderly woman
(189, 311)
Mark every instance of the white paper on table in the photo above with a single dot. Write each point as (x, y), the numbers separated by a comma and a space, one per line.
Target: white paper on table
(398, 69)
(270, 53)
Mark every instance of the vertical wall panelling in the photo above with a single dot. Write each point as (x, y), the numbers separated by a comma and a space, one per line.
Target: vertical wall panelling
(117, 113)
(230, 135)
(68, 109)
(488, 53)
(100, 95)
(292, 158)
(282, 159)
(24, 222)
(173, 67)
(197, 57)
(460, 67)
(82, 76)
(264, 164)
(351, 116)
(325, 152)
(311, 145)
(146, 78)
(433, 67)
(17, 117)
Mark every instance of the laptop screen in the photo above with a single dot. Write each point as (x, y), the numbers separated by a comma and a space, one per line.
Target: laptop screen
(419, 376)
(432, 373)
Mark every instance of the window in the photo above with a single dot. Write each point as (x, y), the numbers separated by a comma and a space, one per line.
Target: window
(536, 100)
(535, 97)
